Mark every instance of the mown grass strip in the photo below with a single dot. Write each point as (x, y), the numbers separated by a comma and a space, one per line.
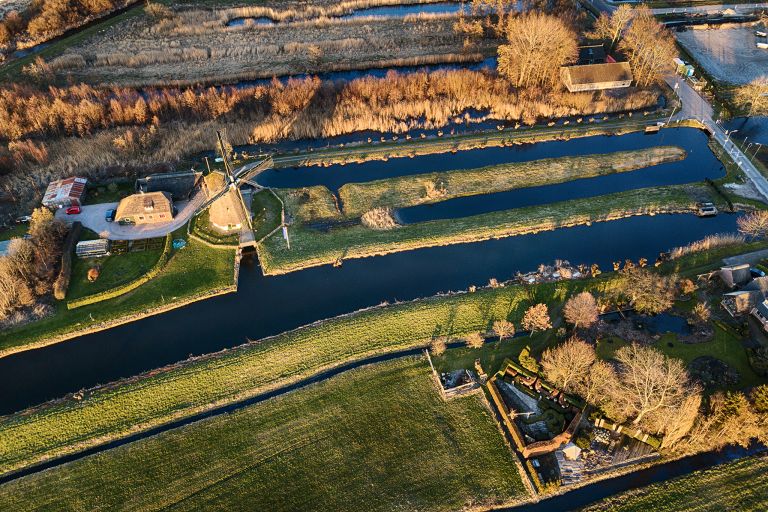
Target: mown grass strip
(739, 485)
(376, 438)
(312, 247)
(404, 191)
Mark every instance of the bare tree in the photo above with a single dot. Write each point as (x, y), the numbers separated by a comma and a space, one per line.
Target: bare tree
(730, 419)
(701, 313)
(438, 346)
(677, 424)
(475, 340)
(649, 382)
(647, 291)
(611, 27)
(754, 224)
(537, 46)
(536, 318)
(581, 310)
(650, 47)
(567, 364)
(596, 384)
(503, 329)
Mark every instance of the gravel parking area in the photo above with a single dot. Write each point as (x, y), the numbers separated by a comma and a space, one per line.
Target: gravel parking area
(728, 54)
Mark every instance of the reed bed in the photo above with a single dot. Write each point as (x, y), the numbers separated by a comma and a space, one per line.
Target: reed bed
(711, 242)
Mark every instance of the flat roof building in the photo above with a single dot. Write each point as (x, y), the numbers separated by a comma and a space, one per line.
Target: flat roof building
(596, 77)
(65, 193)
(149, 208)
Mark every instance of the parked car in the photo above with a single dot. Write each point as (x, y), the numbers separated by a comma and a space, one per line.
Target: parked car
(110, 216)
(23, 219)
(73, 210)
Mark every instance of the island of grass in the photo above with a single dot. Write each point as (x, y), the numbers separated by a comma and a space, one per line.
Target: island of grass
(201, 384)
(320, 234)
(739, 485)
(375, 438)
(193, 272)
(404, 191)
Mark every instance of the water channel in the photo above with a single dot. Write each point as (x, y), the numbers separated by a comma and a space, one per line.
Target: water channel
(268, 305)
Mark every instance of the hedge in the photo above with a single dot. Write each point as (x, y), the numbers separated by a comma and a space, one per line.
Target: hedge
(61, 284)
(121, 290)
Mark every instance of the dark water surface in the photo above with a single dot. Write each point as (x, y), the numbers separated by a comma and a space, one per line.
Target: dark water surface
(268, 305)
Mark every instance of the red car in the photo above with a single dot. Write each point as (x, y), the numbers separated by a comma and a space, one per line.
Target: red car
(72, 210)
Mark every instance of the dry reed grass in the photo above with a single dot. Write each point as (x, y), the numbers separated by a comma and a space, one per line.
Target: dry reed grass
(708, 243)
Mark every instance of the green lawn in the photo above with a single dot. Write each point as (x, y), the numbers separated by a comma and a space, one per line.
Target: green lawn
(14, 231)
(191, 271)
(725, 346)
(312, 247)
(377, 438)
(404, 191)
(115, 270)
(740, 485)
(266, 213)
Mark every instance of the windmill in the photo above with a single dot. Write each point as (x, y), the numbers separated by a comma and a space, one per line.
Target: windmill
(233, 180)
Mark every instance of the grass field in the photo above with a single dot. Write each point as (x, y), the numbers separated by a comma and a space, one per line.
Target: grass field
(377, 438)
(226, 377)
(740, 485)
(266, 213)
(191, 271)
(405, 191)
(201, 226)
(312, 247)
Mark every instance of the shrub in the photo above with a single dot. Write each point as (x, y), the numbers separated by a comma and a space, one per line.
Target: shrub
(475, 340)
(380, 219)
(61, 285)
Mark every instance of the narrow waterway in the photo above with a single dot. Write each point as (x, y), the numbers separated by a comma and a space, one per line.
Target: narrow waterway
(268, 305)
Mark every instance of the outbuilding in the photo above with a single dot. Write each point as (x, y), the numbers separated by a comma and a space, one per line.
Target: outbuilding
(149, 208)
(92, 248)
(596, 77)
(65, 193)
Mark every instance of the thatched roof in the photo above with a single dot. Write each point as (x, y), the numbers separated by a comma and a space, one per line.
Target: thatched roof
(141, 204)
(598, 73)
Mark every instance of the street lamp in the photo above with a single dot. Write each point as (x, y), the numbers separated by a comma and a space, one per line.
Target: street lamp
(759, 145)
(728, 134)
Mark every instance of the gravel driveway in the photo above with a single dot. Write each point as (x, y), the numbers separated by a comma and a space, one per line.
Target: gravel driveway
(93, 218)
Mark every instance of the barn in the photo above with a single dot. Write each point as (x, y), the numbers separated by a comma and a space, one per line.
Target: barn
(596, 77)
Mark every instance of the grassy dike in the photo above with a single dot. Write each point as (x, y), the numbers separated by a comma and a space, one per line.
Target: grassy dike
(404, 191)
(312, 247)
(376, 438)
(229, 376)
(193, 273)
(739, 485)
(202, 383)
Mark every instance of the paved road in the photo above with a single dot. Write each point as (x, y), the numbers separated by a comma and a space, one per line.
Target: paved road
(711, 9)
(696, 107)
(93, 218)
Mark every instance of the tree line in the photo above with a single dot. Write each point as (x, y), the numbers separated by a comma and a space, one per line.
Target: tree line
(28, 271)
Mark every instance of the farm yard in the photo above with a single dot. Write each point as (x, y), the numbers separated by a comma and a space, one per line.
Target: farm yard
(728, 54)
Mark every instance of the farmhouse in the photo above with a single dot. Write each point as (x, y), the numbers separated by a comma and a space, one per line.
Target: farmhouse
(149, 208)
(596, 77)
(65, 193)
